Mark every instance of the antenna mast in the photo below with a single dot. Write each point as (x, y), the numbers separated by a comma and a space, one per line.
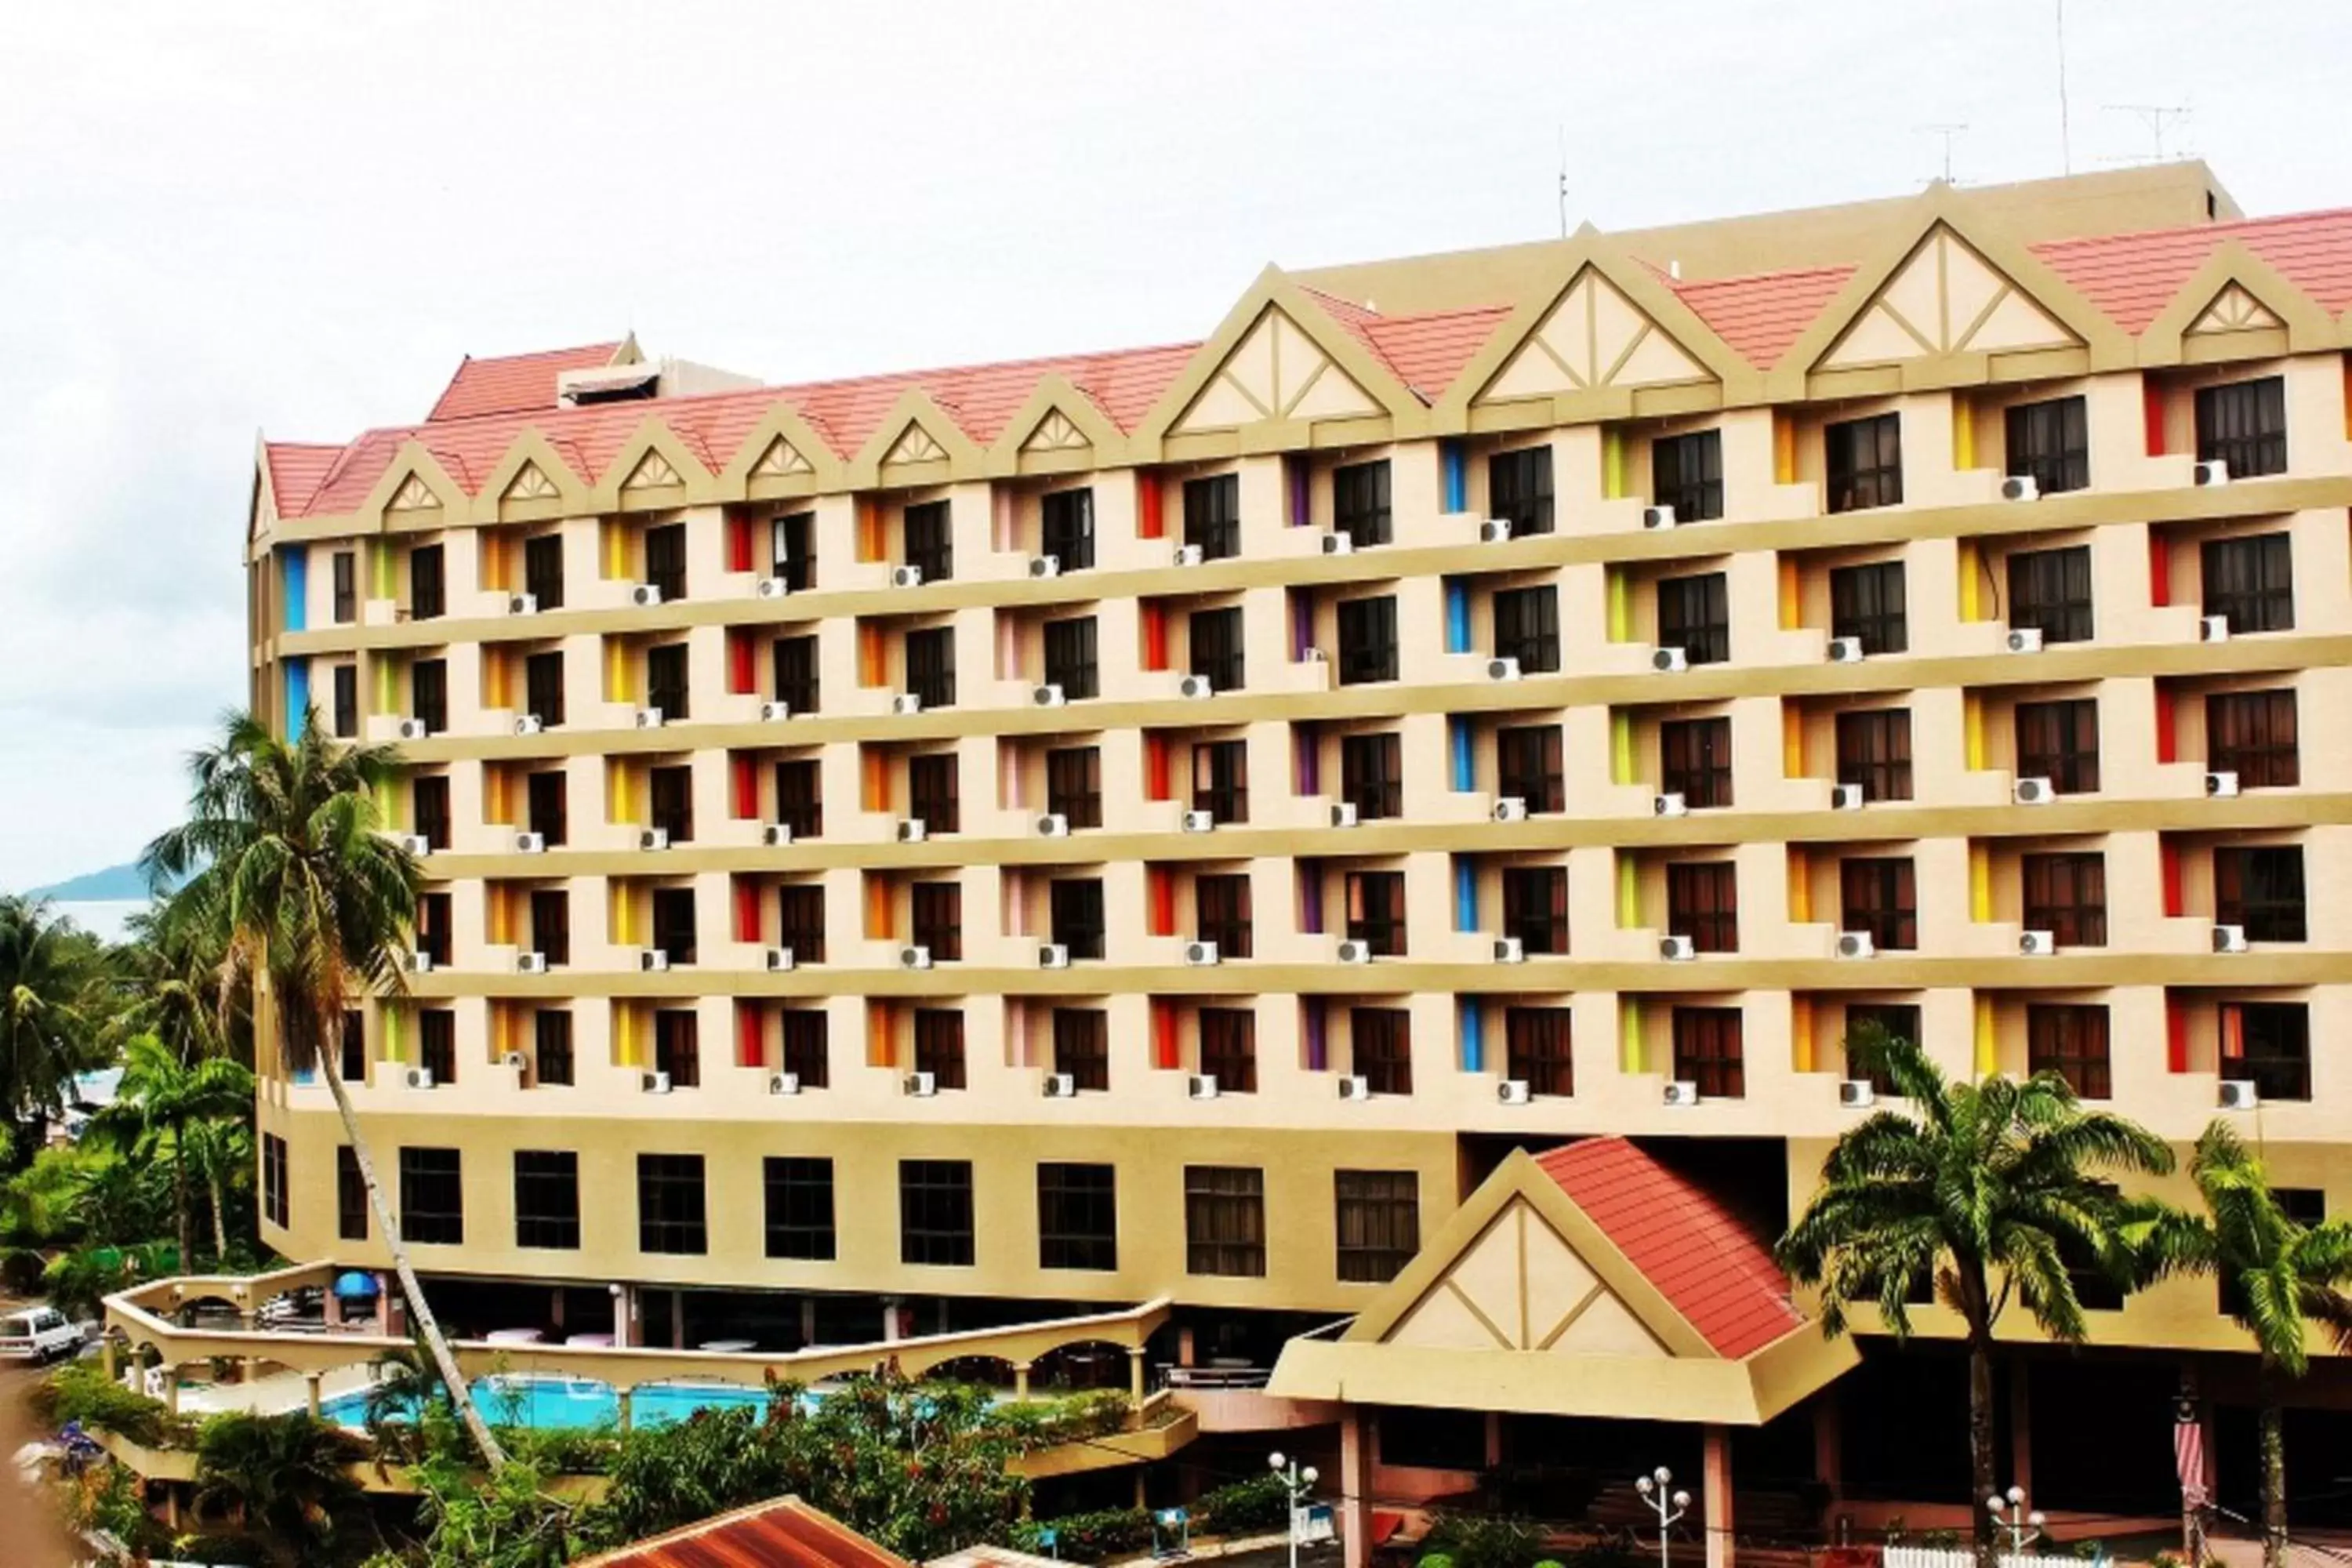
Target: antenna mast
(2066, 132)
(1563, 182)
(2155, 117)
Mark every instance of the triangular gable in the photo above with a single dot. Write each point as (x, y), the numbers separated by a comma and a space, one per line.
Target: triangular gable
(783, 455)
(781, 460)
(1056, 432)
(1057, 429)
(915, 443)
(2235, 306)
(653, 472)
(1278, 359)
(532, 482)
(653, 469)
(416, 491)
(1592, 337)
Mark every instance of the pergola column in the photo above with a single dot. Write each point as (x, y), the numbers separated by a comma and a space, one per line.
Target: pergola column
(1717, 1496)
(311, 1380)
(172, 1388)
(1355, 1489)
(1135, 1374)
(106, 1350)
(1020, 1380)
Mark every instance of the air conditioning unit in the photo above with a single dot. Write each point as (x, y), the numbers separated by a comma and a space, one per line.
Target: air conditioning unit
(1510, 950)
(653, 961)
(1502, 668)
(645, 596)
(413, 730)
(905, 576)
(1671, 804)
(1352, 1086)
(1044, 566)
(1190, 555)
(1658, 517)
(2213, 628)
(1845, 797)
(1353, 951)
(777, 960)
(772, 587)
(1682, 1092)
(2229, 938)
(528, 724)
(1200, 821)
(1061, 1085)
(1511, 808)
(653, 839)
(1196, 686)
(914, 958)
(2215, 472)
(522, 605)
(1495, 530)
(1343, 814)
(913, 831)
(783, 1083)
(1200, 954)
(1048, 697)
(1856, 944)
(2240, 1094)
(655, 1083)
(2034, 791)
(418, 1078)
(1053, 955)
(1314, 656)
(922, 1085)
(775, 712)
(907, 703)
(420, 963)
(531, 843)
(1856, 1094)
(530, 963)
(515, 1059)
(1200, 1086)
(1052, 825)
(2019, 487)
(650, 717)
(1666, 661)
(415, 844)
(1676, 949)
(1846, 650)
(1513, 1092)
(2037, 944)
(1339, 545)
(2222, 785)
(777, 835)
(2024, 639)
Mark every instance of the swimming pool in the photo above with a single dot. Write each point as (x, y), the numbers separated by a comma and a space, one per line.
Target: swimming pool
(546, 1403)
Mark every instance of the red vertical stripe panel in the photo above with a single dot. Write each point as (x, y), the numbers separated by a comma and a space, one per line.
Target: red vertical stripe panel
(2176, 1035)
(747, 910)
(2176, 903)
(747, 785)
(1160, 888)
(2159, 570)
(1165, 1052)
(1156, 785)
(1149, 522)
(739, 543)
(750, 1044)
(1155, 636)
(2152, 413)
(742, 676)
(2168, 741)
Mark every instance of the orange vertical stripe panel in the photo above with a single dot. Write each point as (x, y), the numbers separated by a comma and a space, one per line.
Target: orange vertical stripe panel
(873, 661)
(1149, 523)
(2159, 570)
(2175, 1036)
(2168, 741)
(739, 543)
(750, 1042)
(2152, 413)
(1155, 636)
(747, 910)
(2175, 901)
(1161, 890)
(746, 784)
(1165, 1052)
(1156, 785)
(874, 778)
(878, 908)
(881, 1035)
(869, 530)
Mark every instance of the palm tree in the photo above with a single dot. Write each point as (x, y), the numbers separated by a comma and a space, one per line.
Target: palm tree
(181, 990)
(281, 1478)
(2278, 1278)
(51, 1000)
(163, 1099)
(319, 905)
(1984, 1191)
(220, 1151)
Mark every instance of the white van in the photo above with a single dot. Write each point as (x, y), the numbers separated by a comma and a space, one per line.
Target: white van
(36, 1334)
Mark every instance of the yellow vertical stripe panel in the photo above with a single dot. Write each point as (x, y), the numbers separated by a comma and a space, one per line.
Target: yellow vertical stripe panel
(1801, 886)
(1620, 607)
(1792, 739)
(1612, 463)
(1784, 450)
(1620, 746)
(1793, 596)
(503, 1021)
(613, 549)
(1972, 728)
(1628, 1033)
(389, 1041)
(496, 681)
(1628, 891)
(387, 679)
(1971, 569)
(1980, 882)
(501, 908)
(1987, 1051)
(870, 545)
(498, 792)
(626, 1042)
(1800, 1033)
(1964, 434)
(381, 561)
(617, 789)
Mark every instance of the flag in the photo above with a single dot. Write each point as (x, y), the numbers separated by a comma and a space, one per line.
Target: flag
(2188, 1458)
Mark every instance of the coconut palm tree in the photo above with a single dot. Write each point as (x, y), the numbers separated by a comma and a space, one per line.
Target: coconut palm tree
(181, 990)
(163, 1099)
(1984, 1191)
(52, 995)
(283, 839)
(2279, 1279)
(220, 1151)
(281, 1478)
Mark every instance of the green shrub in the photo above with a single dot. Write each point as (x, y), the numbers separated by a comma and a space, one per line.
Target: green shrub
(1436, 1560)
(1087, 1537)
(1551, 1562)
(1940, 1539)
(1483, 1540)
(1262, 1503)
(80, 1391)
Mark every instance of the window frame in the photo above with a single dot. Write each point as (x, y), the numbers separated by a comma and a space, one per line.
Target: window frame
(1862, 606)
(935, 1214)
(1380, 1049)
(1371, 774)
(1227, 1040)
(1367, 633)
(2065, 892)
(2073, 1040)
(1694, 760)
(1868, 740)
(1538, 1049)
(1213, 515)
(1703, 904)
(1686, 474)
(1694, 616)
(2053, 590)
(935, 918)
(1534, 908)
(2050, 742)
(2280, 913)
(1224, 1221)
(2049, 441)
(1519, 489)
(1861, 463)
(1710, 1050)
(2244, 425)
(1065, 526)
(1376, 1222)
(1074, 786)
(800, 1215)
(927, 539)
(432, 1200)
(673, 1205)
(1527, 627)
(1077, 1216)
(1360, 504)
(2259, 759)
(931, 661)
(2256, 574)
(1383, 929)
(544, 1189)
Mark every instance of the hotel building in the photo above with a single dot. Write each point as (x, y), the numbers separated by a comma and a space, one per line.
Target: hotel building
(934, 850)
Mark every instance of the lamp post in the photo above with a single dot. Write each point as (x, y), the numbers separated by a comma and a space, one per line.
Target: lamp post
(2009, 1514)
(1668, 1504)
(1297, 1484)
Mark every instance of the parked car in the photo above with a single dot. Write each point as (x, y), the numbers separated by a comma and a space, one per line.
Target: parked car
(38, 1335)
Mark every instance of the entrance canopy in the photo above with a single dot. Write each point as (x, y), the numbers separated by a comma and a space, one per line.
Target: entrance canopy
(1591, 1280)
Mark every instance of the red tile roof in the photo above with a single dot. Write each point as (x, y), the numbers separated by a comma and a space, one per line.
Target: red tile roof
(2133, 277)
(1717, 1274)
(514, 383)
(1425, 352)
(296, 468)
(785, 1533)
(1760, 316)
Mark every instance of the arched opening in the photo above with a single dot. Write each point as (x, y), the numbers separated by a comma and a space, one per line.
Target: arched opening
(988, 1372)
(1079, 1366)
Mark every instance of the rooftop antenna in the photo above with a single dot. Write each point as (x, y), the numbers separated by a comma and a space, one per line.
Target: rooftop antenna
(1948, 132)
(2066, 132)
(2156, 117)
(1563, 182)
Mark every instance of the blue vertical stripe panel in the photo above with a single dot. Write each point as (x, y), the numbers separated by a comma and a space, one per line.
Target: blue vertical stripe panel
(294, 585)
(1310, 895)
(1457, 749)
(1457, 616)
(1465, 893)
(1473, 1035)
(1313, 1021)
(1456, 474)
(298, 695)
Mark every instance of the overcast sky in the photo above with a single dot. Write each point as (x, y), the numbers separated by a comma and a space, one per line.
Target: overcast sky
(226, 218)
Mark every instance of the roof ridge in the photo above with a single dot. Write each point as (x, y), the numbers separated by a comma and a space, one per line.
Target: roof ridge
(2217, 227)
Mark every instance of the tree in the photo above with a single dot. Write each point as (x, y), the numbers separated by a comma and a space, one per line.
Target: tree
(281, 1478)
(220, 1154)
(284, 840)
(52, 978)
(181, 987)
(1987, 1191)
(2278, 1279)
(167, 1101)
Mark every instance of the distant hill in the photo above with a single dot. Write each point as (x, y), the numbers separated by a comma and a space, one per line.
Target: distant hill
(114, 883)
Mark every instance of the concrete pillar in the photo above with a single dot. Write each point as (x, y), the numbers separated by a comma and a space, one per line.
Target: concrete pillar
(383, 1306)
(678, 1319)
(621, 1397)
(808, 1321)
(1355, 1502)
(1135, 1374)
(2021, 1426)
(555, 1308)
(311, 1391)
(1716, 1497)
(1020, 1380)
(333, 1308)
(251, 1370)
(1829, 1444)
(889, 1320)
(172, 1389)
(106, 1350)
(1494, 1439)
(1186, 1347)
(622, 1312)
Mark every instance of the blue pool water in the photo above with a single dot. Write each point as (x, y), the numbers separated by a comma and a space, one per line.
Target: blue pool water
(556, 1403)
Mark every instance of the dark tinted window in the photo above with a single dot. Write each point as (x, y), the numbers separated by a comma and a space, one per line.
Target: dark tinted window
(1360, 503)
(1221, 912)
(428, 593)
(671, 1213)
(1535, 907)
(2253, 735)
(930, 666)
(1527, 628)
(2060, 741)
(934, 796)
(1378, 1221)
(1519, 490)
(1686, 474)
(666, 680)
(1873, 752)
(1867, 602)
(1077, 1216)
(930, 541)
(2050, 591)
(1082, 1046)
(2250, 583)
(1376, 911)
(799, 1192)
(1076, 911)
(2262, 889)
(432, 1196)
(1067, 528)
(1380, 1049)
(1703, 904)
(547, 1198)
(1074, 784)
(2050, 443)
(935, 1212)
(1694, 616)
(2066, 895)
(1536, 1049)
(938, 1045)
(1213, 515)
(1528, 766)
(1070, 657)
(1368, 640)
(2244, 426)
(1694, 760)
(1225, 1220)
(1216, 647)
(796, 673)
(1228, 1048)
(1864, 461)
(2071, 1040)
(1708, 1051)
(666, 559)
(1880, 895)
(543, 570)
(1371, 776)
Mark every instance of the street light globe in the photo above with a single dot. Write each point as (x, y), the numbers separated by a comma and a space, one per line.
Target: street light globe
(1274, 1461)
(1994, 1502)
(1642, 1484)
(1682, 1499)
(2035, 1519)
(1664, 1475)
(2017, 1494)
(1307, 1475)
